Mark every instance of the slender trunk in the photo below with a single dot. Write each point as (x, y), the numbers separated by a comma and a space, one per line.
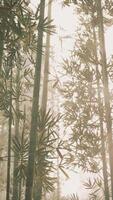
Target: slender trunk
(9, 143)
(38, 186)
(58, 181)
(34, 114)
(15, 181)
(20, 190)
(1, 48)
(100, 109)
(46, 65)
(106, 89)
(2, 32)
(38, 190)
(103, 148)
(21, 181)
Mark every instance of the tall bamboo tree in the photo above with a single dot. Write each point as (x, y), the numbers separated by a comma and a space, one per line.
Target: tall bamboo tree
(100, 110)
(46, 64)
(10, 61)
(2, 33)
(38, 185)
(105, 88)
(35, 105)
(17, 120)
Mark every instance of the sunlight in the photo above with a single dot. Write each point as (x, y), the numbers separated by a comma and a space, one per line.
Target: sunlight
(109, 41)
(74, 185)
(64, 17)
(71, 185)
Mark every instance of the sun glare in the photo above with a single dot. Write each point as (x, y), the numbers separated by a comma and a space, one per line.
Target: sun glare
(74, 185)
(109, 41)
(71, 185)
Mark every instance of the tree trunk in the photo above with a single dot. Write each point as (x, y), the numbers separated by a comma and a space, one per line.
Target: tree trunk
(46, 65)
(1, 47)
(105, 88)
(100, 109)
(58, 181)
(9, 142)
(37, 189)
(15, 181)
(20, 190)
(2, 32)
(35, 105)
(37, 193)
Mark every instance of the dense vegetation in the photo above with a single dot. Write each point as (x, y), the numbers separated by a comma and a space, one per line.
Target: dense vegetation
(34, 150)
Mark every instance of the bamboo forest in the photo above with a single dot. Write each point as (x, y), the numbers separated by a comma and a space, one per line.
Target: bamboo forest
(56, 99)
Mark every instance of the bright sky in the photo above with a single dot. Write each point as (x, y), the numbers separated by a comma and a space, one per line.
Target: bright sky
(74, 185)
(109, 41)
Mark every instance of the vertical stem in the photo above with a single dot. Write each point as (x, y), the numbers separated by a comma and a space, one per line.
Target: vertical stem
(105, 89)
(2, 32)
(20, 189)
(100, 109)
(46, 73)
(35, 105)
(15, 181)
(1, 49)
(9, 143)
(46, 65)
(58, 180)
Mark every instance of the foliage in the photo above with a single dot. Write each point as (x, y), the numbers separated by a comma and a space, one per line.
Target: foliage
(81, 111)
(19, 28)
(20, 148)
(96, 188)
(45, 152)
(80, 92)
(48, 27)
(70, 197)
